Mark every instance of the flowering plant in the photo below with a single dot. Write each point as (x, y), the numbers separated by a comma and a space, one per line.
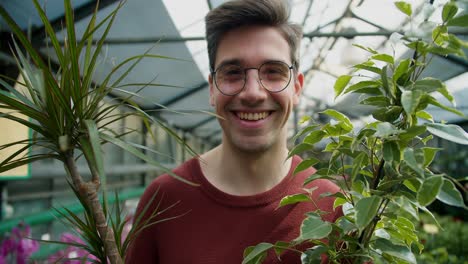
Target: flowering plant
(18, 247)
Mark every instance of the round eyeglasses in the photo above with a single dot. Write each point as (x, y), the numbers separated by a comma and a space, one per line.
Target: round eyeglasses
(274, 76)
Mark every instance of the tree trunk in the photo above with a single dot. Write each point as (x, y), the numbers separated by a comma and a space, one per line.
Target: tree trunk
(89, 191)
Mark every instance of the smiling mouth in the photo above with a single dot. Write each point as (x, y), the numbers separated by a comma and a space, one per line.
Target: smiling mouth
(252, 116)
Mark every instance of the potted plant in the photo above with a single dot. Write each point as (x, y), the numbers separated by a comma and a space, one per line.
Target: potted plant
(383, 168)
(63, 107)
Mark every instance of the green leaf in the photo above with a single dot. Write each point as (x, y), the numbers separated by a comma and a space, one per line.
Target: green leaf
(429, 154)
(295, 198)
(449, 11)
(424, 115)
(376, 101)
(368, 49)
(313, 255)
(314, 137)
(305, 164)
(304, 119)
(410, 100)
(410, 160)
(300, 148)
(388, 114)
(459, 21)
(384, 58)
(401, 69)
(429, 190)
(450, 195)
(339, 117)
(452, 133)
(313, 227)
(365, 66)
(404, 7)
(428, 85)
(431, 100)
(366, 209)
(361, 85)
(440, 35)
(398, 251)
(391, 151)
(386, 129)
(412, 132)
(341, 83)
(254, 253)
(358, 163)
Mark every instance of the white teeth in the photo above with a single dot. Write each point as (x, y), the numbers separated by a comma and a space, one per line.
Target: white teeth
(252, 116)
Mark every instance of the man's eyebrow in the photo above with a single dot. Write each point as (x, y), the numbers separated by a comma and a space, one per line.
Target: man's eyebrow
(240, 62)
(230, 61)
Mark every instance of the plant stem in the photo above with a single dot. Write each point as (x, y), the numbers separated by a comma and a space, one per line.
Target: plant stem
(89, 192)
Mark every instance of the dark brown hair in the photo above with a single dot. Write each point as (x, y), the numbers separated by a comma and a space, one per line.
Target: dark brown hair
(238, 13)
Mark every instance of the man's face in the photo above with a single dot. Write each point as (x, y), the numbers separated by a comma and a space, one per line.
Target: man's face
(255, 119)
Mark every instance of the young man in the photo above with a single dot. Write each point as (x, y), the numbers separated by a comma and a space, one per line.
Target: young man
(254, 84)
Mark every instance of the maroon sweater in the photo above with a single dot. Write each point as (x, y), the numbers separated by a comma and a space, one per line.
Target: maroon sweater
(216, 227)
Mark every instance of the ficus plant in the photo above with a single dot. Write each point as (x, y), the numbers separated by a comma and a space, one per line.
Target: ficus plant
(62, 105)
(384, 167)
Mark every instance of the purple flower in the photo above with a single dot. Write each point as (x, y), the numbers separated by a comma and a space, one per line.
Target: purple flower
(18, 245)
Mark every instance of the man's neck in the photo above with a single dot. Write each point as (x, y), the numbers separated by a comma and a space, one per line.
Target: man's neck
(245, 173)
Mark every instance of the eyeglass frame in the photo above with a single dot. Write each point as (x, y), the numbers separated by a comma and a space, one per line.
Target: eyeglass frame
(290, 67)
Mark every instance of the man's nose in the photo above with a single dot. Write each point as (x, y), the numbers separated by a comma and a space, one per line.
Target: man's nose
(253, 90)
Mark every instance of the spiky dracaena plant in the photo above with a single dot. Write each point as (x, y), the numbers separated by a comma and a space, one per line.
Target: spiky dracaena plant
(64, 110)
(383, 168)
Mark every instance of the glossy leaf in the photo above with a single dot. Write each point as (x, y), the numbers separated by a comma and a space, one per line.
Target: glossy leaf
(341, 83)
(363, 84)
(314, 137)
(253, 255)
(410, 100)
(366, 210)
(397, 251)
(305, 164)
(452, 133)
(383, 57)
(459, 21)
(300, 148)
(313, 255)
(429, 154)
(401, 69)
(391, 151)
(410, 160)
(404, 7)
(429, 190)
(339, 117)
(449, 11)
(295, 198)
(313, 227)
(450, 195)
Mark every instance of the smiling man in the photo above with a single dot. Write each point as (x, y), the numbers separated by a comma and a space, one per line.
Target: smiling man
(254, 85)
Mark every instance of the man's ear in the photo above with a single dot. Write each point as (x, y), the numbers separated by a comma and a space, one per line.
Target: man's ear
(298, 85)
(211, 84)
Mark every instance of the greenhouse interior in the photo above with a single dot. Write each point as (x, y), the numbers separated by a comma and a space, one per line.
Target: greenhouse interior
(171, 89)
